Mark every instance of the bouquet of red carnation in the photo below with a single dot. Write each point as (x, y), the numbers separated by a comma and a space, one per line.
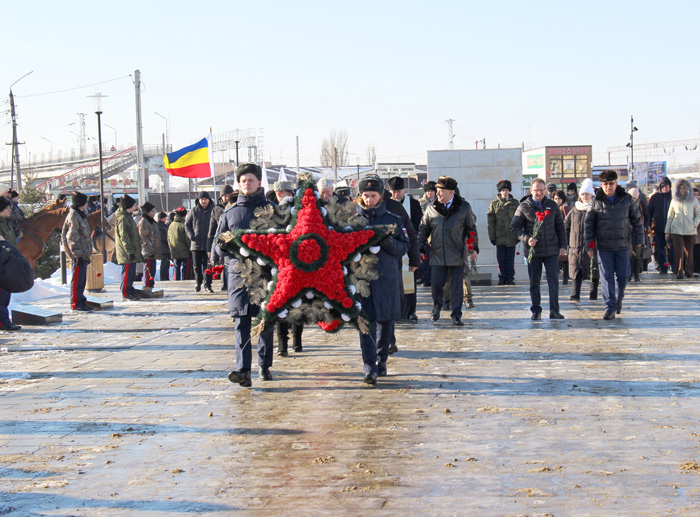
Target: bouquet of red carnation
(473, 274)
(538, 224)
(593, 268)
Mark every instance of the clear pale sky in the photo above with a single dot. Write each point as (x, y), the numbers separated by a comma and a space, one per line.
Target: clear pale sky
(388, 72)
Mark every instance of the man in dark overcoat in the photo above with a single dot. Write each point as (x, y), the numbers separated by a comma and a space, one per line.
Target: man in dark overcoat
(238, 216)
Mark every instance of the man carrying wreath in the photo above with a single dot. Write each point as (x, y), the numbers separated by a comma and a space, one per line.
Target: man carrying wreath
(238, 216)
(539, 225)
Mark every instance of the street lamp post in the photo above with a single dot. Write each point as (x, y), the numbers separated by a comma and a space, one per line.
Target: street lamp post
(237, 141)
(98, 110)
(166, 143)
(631, 143)
(115, 135)
(15, 143)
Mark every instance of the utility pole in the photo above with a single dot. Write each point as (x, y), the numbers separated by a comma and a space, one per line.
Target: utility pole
(15, 143)
(141, 172)
(15, 146)
(450, 134)
(335, 165)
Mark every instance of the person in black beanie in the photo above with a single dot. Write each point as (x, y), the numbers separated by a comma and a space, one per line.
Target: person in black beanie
(150, 243)
(76, 241)
(128, 245)
(197, 227)
(161, 219)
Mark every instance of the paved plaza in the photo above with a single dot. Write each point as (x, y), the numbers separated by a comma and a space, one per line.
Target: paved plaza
(128, 411)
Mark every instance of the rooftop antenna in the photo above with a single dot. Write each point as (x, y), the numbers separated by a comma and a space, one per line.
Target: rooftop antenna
(450, 134)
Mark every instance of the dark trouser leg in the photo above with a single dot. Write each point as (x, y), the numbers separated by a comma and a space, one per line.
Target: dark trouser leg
(509, 256)
(551, 266)
(564, 272)
(4, 313)
(201, 263)
(297, 330)
(689, 242)
(456, 290)
(165, 268)
(77, 284)
(149, 273)
(408, 305)
(127, 283)
(282, 337)
(611, 263)
(578, 281)
(696, 258)
(677, 241)
(501, 259)
(534, 270)
(384, 332)
(265, 348)
(438, 276)
(606, 265)
(369, 349)
(244, 356)
(660, 251)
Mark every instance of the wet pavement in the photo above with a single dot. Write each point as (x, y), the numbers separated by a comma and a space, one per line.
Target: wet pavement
(128, 411)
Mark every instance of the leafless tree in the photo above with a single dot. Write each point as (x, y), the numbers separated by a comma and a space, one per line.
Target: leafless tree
(371, 154)
(334, 149)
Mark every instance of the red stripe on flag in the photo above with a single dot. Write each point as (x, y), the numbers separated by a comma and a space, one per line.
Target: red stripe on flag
(199, 170)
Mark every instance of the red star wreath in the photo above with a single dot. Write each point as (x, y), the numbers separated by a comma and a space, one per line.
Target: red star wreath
(307, 262)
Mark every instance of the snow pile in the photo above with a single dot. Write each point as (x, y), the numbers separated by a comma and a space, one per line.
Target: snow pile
(51, 287)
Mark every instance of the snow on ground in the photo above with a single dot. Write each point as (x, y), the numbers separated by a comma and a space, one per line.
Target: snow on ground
(52, 287)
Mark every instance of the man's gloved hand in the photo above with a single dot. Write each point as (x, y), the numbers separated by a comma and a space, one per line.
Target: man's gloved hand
(386, 241)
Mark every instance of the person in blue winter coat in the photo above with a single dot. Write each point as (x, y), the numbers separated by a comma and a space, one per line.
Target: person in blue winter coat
(238, 216)
(383, 305)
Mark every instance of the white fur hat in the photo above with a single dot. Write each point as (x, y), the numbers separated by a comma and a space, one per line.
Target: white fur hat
(586, 187)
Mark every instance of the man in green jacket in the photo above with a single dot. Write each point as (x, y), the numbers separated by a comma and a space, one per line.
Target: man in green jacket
(499, 217)
(128, 245)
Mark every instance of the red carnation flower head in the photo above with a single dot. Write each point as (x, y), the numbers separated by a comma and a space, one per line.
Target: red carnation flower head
(473, 234)
(540, 216)
(547, 212)
(470, 240)
(591, 245)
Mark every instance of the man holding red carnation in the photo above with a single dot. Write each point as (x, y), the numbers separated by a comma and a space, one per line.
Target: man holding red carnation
(539, 225)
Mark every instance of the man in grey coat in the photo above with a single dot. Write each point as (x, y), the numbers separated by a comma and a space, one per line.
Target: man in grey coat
(548, 243)
(449, 224)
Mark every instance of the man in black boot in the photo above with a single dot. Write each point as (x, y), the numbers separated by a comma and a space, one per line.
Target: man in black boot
(238, 217)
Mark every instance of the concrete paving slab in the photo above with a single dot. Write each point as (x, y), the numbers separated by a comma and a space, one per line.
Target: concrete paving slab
(128, 412)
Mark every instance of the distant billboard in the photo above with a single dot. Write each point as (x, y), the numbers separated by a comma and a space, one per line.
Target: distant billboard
(648, 172)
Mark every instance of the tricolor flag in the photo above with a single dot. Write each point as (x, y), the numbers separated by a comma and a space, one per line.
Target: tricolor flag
(192, 161)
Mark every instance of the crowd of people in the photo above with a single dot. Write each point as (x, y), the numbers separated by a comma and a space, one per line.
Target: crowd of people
(604, 235)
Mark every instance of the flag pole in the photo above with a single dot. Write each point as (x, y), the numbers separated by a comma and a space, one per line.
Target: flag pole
(213, 165)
